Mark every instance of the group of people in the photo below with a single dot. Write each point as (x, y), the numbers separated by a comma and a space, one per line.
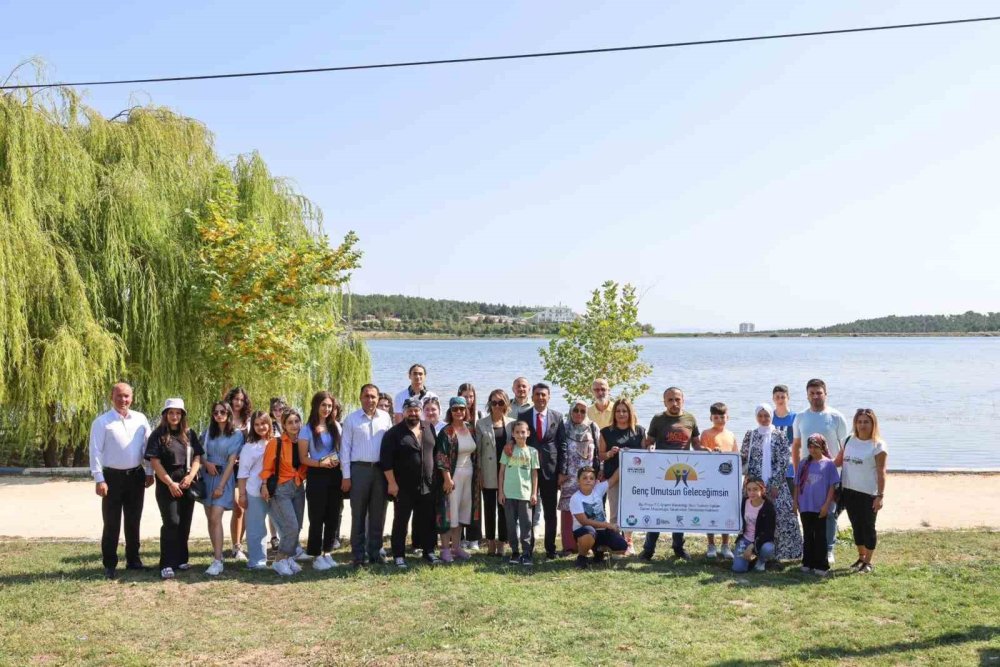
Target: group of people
(453, 470)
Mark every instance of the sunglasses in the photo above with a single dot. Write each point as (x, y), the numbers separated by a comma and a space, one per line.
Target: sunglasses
(864, 411)
(579, 411)
(497, 404)
(218, 412)
(458, 407)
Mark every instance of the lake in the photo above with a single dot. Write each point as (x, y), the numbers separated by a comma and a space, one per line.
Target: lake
(937, 399)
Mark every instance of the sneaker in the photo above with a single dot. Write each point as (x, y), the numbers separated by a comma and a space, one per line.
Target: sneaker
(473, 545)
(446, 556)
(320, 564)
(184, 566)
(805, 570)
(293, 566)
(431, 559)
(461, 554)
(329, 560)
(526, 560)
(829, 557)
(464, 544)
(867, 568)
(382, 553)
(711, 551)
(821, 573)
(582, 563)
(215, 569)
(401, 563)
(727, 553)
(275, 542)
(378, 560)
(646, 555)
(239, 556)
(281, 567)
(600, 555)
(551, 555)
(336, 544)
(760, 566)
(682, 554)
(515, 558)
(167, 573)
(301, 555)
(857, 565)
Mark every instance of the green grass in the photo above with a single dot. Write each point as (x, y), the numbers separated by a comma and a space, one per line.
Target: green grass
(934, 600)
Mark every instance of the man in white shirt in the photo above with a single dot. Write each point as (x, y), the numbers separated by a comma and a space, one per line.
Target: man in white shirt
(117, 446)
(416, 389)
(360, 452)
(831, 425)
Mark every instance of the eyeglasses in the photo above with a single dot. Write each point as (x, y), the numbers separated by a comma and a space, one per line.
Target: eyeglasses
(579, 411)
(498, 404)
(220, 411)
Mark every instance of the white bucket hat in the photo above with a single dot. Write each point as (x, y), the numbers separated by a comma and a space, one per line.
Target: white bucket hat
(174, 404)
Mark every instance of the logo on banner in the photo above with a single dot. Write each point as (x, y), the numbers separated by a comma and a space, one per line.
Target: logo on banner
(680, 520)
(696, 521)
(663, 522)
(646, 519)
(637, 468)
(681, 473)
(725, 468)
(631, 520)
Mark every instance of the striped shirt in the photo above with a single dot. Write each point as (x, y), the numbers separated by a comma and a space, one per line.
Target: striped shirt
(362, 438)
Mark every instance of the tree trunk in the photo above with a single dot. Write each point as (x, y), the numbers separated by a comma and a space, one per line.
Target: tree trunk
(50, 454)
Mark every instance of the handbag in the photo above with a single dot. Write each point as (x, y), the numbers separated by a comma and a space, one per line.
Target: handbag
(196, 491)
(272, 481)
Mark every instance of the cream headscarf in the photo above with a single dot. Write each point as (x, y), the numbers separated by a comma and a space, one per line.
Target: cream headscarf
(765, 442)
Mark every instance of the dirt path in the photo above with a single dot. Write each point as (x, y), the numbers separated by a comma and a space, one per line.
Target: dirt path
(66, 509)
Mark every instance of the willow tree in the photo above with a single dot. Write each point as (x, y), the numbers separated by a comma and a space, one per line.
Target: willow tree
(98, 278)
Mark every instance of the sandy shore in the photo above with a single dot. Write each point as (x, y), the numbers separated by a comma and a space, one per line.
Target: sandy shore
(69, 509)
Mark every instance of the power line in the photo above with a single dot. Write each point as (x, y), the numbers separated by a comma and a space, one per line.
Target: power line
(516, 56)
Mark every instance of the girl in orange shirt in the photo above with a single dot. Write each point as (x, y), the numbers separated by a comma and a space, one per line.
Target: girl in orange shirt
(283, 474)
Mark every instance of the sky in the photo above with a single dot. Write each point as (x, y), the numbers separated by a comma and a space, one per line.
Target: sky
(787, 183)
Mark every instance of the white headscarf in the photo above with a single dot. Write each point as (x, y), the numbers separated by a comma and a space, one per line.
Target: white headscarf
(765, 442)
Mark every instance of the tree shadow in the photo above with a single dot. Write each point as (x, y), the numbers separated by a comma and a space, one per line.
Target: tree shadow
(976, 633)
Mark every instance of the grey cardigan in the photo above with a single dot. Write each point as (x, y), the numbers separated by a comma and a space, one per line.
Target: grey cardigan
(486, 448)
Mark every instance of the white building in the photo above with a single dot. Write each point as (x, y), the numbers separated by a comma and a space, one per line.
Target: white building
(746, 327)
(554, 314)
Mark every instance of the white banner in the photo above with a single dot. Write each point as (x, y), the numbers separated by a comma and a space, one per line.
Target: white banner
(680, 491)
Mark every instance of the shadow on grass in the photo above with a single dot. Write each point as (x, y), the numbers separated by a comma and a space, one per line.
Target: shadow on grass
(976, 633)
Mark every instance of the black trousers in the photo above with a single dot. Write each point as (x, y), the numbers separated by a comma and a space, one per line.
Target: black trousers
(494, 517)
(548, 496)
(409, 501)
(862, 516)
(324, 503)
(814, 541)
(175, 514)
(126, 490)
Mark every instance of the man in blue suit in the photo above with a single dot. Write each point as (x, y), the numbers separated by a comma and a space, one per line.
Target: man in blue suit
(545, 431)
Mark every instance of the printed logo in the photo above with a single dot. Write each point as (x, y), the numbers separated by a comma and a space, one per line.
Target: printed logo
(712, 523)
(696, 521)
(681, 473)
(680, 520)
(636, 461)
(725, 468)
(646, 519)
(663, 522)
(631, 520)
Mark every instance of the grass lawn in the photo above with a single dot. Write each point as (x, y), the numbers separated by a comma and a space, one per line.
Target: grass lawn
(934, 600)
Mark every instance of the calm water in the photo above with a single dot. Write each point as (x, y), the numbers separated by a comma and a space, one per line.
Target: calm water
(937, 399)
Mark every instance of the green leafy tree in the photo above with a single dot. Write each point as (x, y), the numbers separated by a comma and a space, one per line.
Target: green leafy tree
(600, 344)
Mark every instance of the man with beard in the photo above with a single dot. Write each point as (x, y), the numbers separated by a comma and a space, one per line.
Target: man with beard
(520, 403)
(407, 460)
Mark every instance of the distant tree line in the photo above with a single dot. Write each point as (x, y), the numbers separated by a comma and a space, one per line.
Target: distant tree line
(968, 322)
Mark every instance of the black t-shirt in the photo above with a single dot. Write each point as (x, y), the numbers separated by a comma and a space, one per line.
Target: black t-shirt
(674, 432)
(172, 451)
(500, 436)
(410, 460)
(623, 439)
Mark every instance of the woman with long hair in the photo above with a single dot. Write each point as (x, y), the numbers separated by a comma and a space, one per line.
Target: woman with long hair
(175, 453)
(319, 451)
(863, 460)
(765, 455)
(239, 401)
(253, 496)
(493, 432)
(458, 480)
(222, 443)
(283, 474)
(473, 532)
(623, 434)
(385, 404)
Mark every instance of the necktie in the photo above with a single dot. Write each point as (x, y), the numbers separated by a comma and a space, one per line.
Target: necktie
(538, 425)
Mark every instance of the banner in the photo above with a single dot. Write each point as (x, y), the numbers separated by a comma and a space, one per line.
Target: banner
(680, 491)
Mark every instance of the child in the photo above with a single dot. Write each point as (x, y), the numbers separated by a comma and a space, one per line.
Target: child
(783, 419)
(815, 482)
(248, 478)
(590, 529)
(719, 439)
(757, 538)
(518, 486)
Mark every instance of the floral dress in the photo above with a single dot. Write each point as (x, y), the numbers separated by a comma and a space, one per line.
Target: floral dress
(445, 458)
(575, 454)
(787, 533)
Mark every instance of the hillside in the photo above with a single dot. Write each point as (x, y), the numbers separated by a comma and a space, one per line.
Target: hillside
(968, 322)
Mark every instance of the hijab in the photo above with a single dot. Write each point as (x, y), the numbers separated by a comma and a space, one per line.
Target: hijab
(765, 433)
(579, 433)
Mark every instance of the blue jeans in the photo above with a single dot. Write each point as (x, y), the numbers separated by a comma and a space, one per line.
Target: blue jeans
(831, 527)
(256, 523)
(676, 541)
(741, 564)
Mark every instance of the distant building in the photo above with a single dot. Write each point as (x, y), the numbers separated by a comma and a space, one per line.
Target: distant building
(554, 314)
(746, 327)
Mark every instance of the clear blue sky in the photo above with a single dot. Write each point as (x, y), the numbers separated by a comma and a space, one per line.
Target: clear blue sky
(801, 182)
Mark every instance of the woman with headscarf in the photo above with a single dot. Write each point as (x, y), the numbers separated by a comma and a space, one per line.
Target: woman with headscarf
(765, 455)
(578, 449)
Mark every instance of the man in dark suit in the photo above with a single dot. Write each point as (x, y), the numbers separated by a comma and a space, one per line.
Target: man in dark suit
(545, 432)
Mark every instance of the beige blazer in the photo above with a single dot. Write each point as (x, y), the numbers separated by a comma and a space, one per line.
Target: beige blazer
(486, 448)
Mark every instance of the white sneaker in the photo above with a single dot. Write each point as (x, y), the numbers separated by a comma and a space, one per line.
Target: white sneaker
(336, 543)
(184, 566)
(727, 553)
(239, 555)
(167, 573)
(464, 544)
(301, 555)
(293, 566)
(473, 545)
(281, 567)
(320, 564)
(215, 569)
(829, 556)
(711, 552)
(329, 560)
(401, 563)
(821, 573)
(760, 566)
(805, 570)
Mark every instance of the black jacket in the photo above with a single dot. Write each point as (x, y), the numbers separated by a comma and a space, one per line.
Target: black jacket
(548, 444)
(766, 520)
(411, 462)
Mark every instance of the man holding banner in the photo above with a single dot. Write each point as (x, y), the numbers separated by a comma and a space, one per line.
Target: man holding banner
(674, 430)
